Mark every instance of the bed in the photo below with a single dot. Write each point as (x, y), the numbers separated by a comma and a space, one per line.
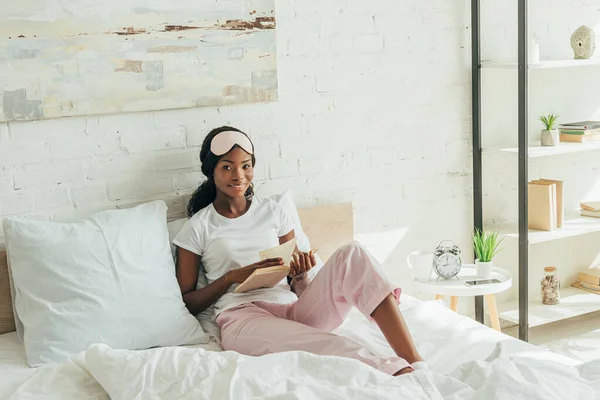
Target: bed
(466, 359)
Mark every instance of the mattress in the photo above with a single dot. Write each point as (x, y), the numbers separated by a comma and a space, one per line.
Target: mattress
(445, 339)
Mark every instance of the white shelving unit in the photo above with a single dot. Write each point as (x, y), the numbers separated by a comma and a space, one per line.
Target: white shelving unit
(499, 84)
(544, 64)
(573, 303)
(545, 151)
(571, 227)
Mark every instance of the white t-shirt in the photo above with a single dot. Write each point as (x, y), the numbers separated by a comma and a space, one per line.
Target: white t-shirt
(229, 243)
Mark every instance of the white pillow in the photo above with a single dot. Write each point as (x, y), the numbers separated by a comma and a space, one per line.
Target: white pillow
(174, 227)
(108, 278)
(205, 318)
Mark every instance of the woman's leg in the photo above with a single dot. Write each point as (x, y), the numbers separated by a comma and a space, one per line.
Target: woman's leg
(392, 325)
(254, 331)
(352, 277)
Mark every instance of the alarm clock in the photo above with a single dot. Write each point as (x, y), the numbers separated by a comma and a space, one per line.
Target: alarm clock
(446, 260)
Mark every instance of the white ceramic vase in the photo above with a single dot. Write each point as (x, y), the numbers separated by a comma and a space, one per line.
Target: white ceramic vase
(534, 51)
(484, 269)
(421, 264)
(550, 137)
(583, 42)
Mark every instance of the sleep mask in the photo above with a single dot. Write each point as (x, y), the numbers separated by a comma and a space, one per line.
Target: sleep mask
(224, 141)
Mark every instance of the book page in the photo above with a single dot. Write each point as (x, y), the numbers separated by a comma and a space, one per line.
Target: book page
(284, 251)
(269, 277)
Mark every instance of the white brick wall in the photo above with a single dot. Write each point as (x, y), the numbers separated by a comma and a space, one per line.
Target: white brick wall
(374, 108)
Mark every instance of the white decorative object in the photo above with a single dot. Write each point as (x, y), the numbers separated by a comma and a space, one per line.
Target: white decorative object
(583, 42)
(484, 269)
(550, 286)
(534, 50)
(550, 137)
(421, 264)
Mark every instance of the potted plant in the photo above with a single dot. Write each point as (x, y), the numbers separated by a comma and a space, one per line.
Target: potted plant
(486, 247)
(550, 135)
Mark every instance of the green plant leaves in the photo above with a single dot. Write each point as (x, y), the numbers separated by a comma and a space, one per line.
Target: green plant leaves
(486, 245)
(549, 120)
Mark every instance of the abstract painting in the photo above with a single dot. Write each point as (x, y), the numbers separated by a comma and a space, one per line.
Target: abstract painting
(61, 58)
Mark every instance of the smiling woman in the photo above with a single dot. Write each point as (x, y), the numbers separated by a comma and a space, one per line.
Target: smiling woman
(232, 174)
(229, 226)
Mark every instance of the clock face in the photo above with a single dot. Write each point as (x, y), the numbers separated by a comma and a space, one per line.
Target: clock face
(448, 265)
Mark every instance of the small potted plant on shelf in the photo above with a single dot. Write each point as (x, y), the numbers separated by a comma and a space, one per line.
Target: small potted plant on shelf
(486, 247)
(550, 135)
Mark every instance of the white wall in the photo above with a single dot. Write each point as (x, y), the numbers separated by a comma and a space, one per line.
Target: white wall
(374, 108)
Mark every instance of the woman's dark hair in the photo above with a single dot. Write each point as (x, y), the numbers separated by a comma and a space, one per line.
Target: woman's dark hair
(207, 191)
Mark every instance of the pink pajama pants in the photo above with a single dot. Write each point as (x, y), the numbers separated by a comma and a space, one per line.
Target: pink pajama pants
(351, 277)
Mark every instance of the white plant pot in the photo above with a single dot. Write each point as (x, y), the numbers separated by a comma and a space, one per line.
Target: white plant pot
(484, 269)
(550, 137)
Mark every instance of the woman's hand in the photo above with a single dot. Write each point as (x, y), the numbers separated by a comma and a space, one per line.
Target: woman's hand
(301, 263)
(241, 274)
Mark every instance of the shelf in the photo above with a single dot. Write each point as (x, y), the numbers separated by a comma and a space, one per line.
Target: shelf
(545, 151)
(571, 227)
(546, 64)
(573, 302)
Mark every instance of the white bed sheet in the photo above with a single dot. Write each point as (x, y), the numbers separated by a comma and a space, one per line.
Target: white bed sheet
(445, 339)
(66, 381)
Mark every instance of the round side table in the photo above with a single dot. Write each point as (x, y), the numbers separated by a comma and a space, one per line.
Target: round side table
(456, 287)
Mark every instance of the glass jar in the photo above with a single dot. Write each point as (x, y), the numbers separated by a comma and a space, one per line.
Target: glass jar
(550, 286)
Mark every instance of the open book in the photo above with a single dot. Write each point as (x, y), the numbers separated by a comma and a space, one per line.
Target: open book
(270, 276)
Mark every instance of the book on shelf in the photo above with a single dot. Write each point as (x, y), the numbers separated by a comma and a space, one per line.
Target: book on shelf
(590, 209)
(580, 131)
(579, 138)
(587, 213)
(590, 205)
(558, 200)
(580, 125)
(270, 276)
(591, 276)
(542, 206)
(587, 287)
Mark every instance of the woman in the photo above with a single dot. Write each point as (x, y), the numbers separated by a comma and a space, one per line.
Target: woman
(227, 229)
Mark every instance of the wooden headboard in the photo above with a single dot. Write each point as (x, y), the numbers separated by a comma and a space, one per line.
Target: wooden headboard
(327, 227)
(7, 322)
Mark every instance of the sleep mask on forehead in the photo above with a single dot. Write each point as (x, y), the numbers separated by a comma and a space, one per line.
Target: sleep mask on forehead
(224, 141)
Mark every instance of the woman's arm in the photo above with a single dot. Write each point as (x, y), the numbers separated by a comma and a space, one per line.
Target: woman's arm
(196, 301)
(301, 263)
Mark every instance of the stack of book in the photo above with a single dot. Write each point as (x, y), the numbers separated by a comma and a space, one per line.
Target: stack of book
(590, 209)
(546, 204)
(582, 132)
(589, 280)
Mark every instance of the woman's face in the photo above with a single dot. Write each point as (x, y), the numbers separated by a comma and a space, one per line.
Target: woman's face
(234, 173)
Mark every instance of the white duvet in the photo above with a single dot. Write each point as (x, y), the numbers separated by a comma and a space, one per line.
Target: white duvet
(468, 361)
